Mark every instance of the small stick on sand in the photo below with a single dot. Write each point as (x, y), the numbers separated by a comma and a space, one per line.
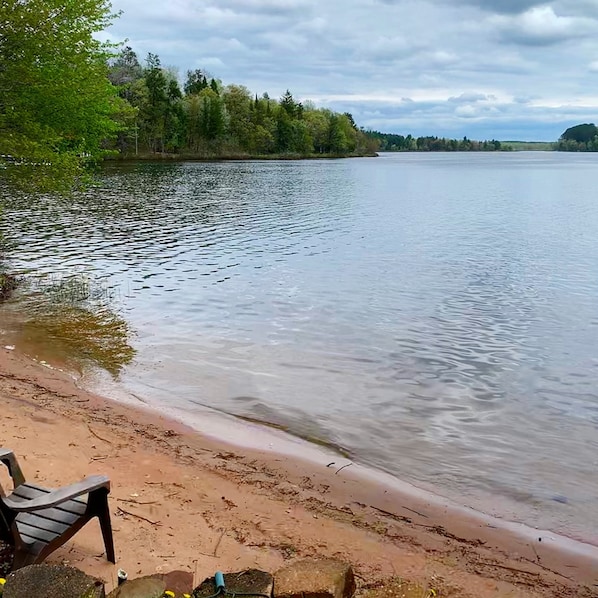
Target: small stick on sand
(139, 516)
(343, 467)
(218, 543)
(98, 436)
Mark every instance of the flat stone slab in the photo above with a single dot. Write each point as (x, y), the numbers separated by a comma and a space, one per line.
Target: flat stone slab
(249, 581)
(315, 578)
(52, 581)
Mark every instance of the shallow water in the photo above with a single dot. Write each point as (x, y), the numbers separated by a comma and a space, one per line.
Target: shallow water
(435, 315)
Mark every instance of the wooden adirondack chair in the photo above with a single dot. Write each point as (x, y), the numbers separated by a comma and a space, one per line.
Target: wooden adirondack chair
(36, 520)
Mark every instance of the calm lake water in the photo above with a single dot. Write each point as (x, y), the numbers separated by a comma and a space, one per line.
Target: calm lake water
(435, 315)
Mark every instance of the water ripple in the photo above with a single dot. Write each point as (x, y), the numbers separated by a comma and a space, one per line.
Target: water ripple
(434, 315)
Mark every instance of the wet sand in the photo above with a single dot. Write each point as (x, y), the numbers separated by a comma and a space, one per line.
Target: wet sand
(183, 500)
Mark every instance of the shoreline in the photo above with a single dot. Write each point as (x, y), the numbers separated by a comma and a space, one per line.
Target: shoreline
(240, 157)
(262, 506)
(240, 433)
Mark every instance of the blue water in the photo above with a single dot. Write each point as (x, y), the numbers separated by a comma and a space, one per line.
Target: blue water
(435, 315)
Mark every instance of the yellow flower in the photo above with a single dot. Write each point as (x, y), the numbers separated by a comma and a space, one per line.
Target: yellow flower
(2, 581)
(169, 593)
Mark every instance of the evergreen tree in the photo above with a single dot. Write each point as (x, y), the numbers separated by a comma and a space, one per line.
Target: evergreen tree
(287, 103)
(196, 82)
(154, 111)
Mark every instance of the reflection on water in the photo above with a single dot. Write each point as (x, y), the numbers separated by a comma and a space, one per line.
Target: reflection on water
(64, 321)
(433, 315)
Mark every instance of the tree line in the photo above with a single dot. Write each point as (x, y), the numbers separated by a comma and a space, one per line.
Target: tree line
(207, 118)
(390, 142)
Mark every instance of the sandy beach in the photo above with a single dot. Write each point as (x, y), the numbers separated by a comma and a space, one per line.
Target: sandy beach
(182, 500)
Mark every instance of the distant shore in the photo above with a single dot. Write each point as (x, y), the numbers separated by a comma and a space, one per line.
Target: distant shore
(179, 497)
(509, 146)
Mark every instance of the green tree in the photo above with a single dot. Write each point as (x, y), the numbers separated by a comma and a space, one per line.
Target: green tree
(337, 138)
(287, 103)
(349, 117)
(284, 131)
(349, 131)
(56, 103)
(317, 123)
(175, 118)
(124, 71)
(205, 119)
(263, 140)
(196, 82)
(193, 117)
(153, 112)
(238, 102)
(580, 133)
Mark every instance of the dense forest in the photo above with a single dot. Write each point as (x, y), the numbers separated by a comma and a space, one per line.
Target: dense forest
(206, 118)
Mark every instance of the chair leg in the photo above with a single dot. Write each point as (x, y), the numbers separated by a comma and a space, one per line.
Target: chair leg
(107, 534)
(103, 513)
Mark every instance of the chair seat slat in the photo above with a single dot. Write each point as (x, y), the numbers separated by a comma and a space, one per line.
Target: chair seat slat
(57, 515)
(43, 523)
(43, 535)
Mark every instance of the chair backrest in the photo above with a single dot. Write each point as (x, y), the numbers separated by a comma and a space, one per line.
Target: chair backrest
(4, 478)
(7, 458)
(7, 517)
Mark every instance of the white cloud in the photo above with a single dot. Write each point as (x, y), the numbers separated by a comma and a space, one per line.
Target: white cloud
(467, 111)
(542, 26)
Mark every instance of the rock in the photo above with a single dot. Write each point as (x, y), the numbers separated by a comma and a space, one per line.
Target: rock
(179, 582)
(315, 578)
(252, 580)
(52, 581)
(150, 586)
(397, 588)
(143, 587)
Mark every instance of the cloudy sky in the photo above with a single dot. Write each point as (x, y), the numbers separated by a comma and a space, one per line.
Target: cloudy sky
(504, 69)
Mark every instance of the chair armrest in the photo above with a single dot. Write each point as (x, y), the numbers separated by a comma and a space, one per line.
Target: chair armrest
(8, 458)
(56, 497)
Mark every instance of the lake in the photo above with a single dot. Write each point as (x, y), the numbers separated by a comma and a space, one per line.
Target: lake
(433, 315)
